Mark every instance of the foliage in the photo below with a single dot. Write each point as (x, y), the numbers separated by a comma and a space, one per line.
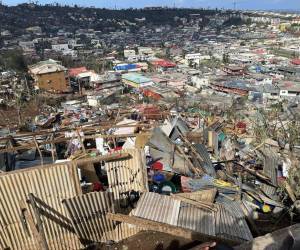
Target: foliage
(13, 60)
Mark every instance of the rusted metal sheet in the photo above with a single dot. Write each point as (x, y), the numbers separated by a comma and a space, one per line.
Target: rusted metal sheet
(127, 175)
(50, 184)
(88, 216)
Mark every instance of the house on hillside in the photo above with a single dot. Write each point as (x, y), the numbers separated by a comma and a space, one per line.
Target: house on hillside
(50, 76)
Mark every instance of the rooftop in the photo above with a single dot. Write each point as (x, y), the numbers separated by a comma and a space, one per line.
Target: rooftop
(136, 78)
(45, 67)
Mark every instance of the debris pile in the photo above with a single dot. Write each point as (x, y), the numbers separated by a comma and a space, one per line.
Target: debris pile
(197, 177)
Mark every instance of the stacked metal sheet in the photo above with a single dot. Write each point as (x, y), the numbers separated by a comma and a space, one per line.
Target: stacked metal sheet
(222, 223)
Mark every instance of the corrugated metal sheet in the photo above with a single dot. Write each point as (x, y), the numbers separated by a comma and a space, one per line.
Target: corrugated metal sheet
(88, 215)
(50, 184)
(162, 147)
(207, 163)
(231, 227)
(196, 219)
(270, 169)
(127, 175)
(233, 207)
(161, 208)
(156, 207)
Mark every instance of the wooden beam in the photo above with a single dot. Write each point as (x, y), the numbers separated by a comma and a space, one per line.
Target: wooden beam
(64, 139)
(200, 204)
(39, 222)
(82, 128)
(166, 228)
(38, 149)
(28, 217)
(108, 157)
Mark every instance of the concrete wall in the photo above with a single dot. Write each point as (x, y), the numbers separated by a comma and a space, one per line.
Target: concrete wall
(52, 82)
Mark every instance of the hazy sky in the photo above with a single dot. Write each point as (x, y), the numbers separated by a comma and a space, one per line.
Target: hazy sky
(241, 4)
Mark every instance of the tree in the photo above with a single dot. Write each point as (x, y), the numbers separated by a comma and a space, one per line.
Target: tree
(226, 58)
(13, 60)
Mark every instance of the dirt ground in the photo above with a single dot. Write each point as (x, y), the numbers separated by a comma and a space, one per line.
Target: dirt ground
(149, 240)
(9, 115)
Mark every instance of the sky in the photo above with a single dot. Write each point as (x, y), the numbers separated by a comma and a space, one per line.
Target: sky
(240, 4)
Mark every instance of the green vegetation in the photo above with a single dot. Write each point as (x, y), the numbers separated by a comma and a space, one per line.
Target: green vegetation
(13, 60)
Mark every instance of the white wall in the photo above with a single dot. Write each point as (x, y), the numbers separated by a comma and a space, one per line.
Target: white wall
(60, 47)
(199, 82)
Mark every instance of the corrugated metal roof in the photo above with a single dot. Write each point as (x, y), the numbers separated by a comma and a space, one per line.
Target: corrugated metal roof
(162, 208)
(88, 215)
(233, 207)
(207, 163)
(270, 169)
(196, 219)
(136, 78)
(50, 184)
(127, 175)
(162, 147)
(231, 227)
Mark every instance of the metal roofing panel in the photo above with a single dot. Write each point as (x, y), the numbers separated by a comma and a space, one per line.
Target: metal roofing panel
(88, 215)
(233, 207)
(207, 163)
(156, 207)
(136, 78)
(127, 174)
(196, 219)
(231, 227)
(270, 169)
(165, 209)
(50, 185)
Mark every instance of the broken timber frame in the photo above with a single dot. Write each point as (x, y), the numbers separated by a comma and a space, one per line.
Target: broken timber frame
(64, 139)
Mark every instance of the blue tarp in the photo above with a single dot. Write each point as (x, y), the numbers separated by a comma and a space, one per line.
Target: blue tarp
(125, 67)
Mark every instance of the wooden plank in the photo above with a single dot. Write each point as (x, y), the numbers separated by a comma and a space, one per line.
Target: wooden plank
(166, 228)
(290, 191)
(200, 204)
(27, 216)
(38, 149)
(39, 222)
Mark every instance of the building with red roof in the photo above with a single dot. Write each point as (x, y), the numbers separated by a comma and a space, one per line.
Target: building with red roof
(163, 64)
(73, 72)
(295, 61)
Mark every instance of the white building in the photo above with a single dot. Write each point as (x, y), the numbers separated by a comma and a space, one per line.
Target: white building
(199, 81)
(129, 53)
(60, 47)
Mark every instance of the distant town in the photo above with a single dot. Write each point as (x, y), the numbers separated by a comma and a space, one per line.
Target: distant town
(184, 122)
